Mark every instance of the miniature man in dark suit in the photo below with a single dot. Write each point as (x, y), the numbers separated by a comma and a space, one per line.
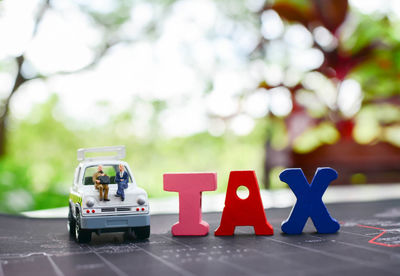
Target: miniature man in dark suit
(122, 180)
(100, 186)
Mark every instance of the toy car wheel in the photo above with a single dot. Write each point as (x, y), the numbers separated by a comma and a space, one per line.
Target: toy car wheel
(81, 235)
(142, 232)
(129, 235)
(71, 224)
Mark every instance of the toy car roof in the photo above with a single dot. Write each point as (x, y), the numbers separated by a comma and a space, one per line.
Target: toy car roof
(118, 150)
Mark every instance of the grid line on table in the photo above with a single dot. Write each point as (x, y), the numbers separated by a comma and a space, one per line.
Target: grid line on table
(356, 234)
(365, 248)
(277, 257)
(316, 269)
(176, 268)
(274, 256)
(337, 256)
(113, 267)
(178, 242)
(57, 270)
(1, 268)
(247, 270)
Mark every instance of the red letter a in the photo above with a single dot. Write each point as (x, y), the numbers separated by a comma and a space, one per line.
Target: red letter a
(243, 212)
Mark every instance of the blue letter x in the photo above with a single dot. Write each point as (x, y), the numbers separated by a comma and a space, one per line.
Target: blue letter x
(309, 201)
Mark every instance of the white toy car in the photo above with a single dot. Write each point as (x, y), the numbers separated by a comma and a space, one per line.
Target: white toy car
(88, 214)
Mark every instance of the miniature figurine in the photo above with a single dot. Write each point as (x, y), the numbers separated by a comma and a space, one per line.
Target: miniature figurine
(87, 214)
(101, 183)
(122, 180)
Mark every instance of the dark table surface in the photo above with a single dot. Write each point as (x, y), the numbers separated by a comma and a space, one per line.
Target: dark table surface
(368, 243)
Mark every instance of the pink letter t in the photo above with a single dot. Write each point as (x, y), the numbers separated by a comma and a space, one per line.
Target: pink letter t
(189, 186)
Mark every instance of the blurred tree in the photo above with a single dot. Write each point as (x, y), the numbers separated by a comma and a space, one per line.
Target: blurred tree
(38, 170)
(109, 23)
(360, 67)
(330, 74)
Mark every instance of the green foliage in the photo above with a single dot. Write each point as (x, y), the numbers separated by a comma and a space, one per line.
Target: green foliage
(368, 30)
(303, 5)
(39, 167)
(324, 133)
(379, 76)
(114, 18)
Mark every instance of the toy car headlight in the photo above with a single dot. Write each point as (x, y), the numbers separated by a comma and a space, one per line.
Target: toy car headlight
(141, 200)
(90, 202)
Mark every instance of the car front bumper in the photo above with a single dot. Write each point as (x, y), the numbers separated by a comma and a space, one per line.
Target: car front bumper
(119, 221)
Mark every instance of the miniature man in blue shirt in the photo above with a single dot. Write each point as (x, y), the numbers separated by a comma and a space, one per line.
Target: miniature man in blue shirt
(122, 180)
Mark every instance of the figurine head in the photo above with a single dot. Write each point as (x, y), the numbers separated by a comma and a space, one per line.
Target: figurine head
(99, 168)
(121, 168)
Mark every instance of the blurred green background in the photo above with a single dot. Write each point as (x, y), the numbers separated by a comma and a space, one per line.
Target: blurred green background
(196, 86)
